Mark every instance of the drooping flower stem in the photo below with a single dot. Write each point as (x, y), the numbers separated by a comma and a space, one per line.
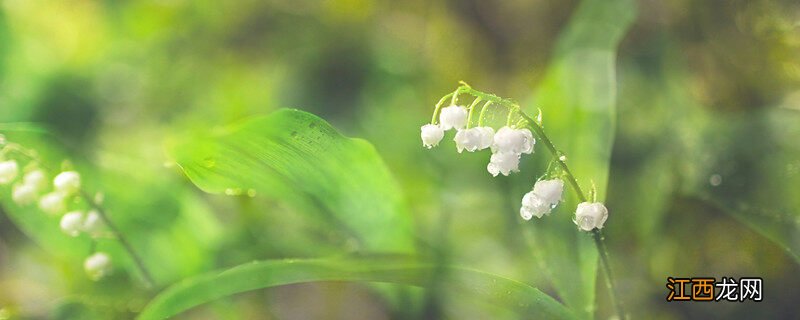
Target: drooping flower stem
(148, 279)
(534, 126)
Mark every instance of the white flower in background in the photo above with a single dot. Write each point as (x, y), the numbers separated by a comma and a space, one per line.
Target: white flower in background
(431, 135)
(93, 224)
(545, 196)
(590, 215)
(24, 194)
(8, 171)
(72, 223)
(36, 179)
(469, 139)
(511, 140)
(97, 265)
(453, 117)
(53, 203)
(503, 162)
(487, 137)
(68, 182)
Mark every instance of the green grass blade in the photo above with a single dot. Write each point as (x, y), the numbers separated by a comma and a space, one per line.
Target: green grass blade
(525, 301)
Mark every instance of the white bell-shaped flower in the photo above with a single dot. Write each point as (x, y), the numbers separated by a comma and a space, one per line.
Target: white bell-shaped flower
(549, 191)
(93, 224)
(503, 162)
(72, 223)
(97, 265)
(590, 215)
(469, 139)
(453, 117)
(511, 140)
(546, 194)
(486, 136)
(8, 171)
(431, 135)
(23, 194)
(68, 182)
(36, 179)
(533, 206)
(53, 203)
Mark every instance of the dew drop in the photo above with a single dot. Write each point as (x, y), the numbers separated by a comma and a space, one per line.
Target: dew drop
(715, 180)
(312, 125)
(209, 162)
(293, 134)
(233, 191)
(251, 193)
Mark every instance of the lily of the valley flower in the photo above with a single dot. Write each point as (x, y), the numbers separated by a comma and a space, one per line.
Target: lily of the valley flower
(8, 171)
(453, 117)
(68, 182)
(97, 265)
(545, 196)
(511, 140)
(590, 215)
(23, 194)
(72, 223)
(431, 135)
(503, 162)
(53, 203)
(474, 139)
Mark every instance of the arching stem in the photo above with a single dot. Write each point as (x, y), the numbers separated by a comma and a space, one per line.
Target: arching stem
(534, 126)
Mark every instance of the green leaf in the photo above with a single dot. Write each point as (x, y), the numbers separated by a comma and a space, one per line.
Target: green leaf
(525, 301)
(578, 101)
(299, 158)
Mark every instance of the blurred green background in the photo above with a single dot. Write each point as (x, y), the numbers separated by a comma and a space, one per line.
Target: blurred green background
(685, 115)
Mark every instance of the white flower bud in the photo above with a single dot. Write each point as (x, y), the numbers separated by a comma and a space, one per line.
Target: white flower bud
(517, 141)
(72, 223)
(68, 182)
(97, 265)
(36, 179)
(469, 139)
(93, 224)
(453, 117)
(590, 215)
(503, 162)
(53, 203)
(431, 135)
(545, 196)
(487, 137)
(8, 171)
(24, 194)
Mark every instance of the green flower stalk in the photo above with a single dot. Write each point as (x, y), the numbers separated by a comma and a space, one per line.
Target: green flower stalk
(508, 144)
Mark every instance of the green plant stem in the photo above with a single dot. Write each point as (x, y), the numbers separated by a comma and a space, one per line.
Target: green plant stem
(472, 110)
(148, 279)
(439, 107)
(597, 234)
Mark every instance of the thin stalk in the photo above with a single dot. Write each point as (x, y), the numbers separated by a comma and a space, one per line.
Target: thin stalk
(472, 110)
(439, 107)
(148, 279)
(483, 111)
(597, 234)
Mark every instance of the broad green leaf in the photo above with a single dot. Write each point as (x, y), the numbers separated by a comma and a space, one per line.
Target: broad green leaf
(298, 158)
(525, 301)
(578, 101)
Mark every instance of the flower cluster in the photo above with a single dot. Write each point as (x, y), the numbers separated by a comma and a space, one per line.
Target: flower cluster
(54, 197)
(508, 144)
